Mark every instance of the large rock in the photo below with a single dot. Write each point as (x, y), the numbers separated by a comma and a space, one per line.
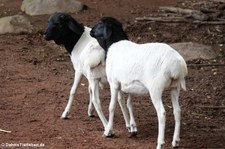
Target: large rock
(39, 7)
(191, 51)
(15, 24)
(222, 1)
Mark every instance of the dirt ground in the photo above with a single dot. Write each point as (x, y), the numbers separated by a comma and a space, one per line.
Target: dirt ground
(36, 76)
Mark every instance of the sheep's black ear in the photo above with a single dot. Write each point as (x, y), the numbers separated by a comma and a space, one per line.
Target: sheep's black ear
(107, 32)
(71, 23)
(74, 26)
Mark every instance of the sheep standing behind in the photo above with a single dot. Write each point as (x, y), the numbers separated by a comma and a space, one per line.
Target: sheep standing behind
(87, 57)
(141, 69)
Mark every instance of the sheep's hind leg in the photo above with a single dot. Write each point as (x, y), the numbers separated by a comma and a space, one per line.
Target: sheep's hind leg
(90, 106)
(177, 116)
(133, 127)
(156, 96)
(123, 108)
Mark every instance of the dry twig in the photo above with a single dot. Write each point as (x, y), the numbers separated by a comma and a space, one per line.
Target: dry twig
(212, 107)
(6, 131)
(204, 65)
(198, 15)
(178, 20)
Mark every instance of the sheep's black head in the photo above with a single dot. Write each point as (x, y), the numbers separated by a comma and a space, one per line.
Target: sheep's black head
(63, 29)
(108, 31)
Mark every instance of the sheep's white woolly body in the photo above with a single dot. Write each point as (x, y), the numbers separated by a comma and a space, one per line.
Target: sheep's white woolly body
(154, 62)
(88, 55)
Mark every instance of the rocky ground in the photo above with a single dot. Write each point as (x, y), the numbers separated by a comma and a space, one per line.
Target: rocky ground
(36, 76)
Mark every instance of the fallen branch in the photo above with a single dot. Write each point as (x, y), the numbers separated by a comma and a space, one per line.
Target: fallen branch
(204, 65)
(6, 131)
(178, 20)
(209, 22)
(212, 107)
(205, 10)
(198, 15)
(164, 19)
(221, 1)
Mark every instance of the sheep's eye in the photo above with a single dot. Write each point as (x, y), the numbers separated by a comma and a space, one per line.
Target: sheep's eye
(100, 23)
(58, 25)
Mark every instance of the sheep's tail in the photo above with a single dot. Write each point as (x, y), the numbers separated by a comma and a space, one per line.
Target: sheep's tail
(182, 80)
(183, 84)
(180, 72)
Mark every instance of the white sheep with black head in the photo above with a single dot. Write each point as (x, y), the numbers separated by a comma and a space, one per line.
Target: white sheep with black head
(88, 59)
(141, 69)
(86, 55)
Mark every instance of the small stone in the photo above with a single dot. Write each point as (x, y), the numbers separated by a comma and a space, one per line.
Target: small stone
(15, 24)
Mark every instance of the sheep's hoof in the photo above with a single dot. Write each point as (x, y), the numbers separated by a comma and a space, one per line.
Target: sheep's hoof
(110, 134)
(65, 115)
(91, 115)
(159, 146)
(175, 144)
(133, 134)
(65, 118)
(132, 130)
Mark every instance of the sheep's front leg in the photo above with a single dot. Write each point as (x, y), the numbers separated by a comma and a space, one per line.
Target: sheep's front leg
(76, 82)
(96, 101)
(109, 129)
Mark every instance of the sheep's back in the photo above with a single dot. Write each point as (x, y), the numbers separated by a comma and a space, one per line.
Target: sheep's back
(128, 61)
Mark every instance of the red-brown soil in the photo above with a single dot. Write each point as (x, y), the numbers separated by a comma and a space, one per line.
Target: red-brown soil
(36, 76)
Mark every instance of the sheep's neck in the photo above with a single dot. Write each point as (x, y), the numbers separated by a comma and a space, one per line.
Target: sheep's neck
(115, 38)
(70, 42)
